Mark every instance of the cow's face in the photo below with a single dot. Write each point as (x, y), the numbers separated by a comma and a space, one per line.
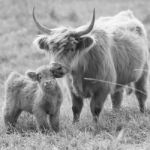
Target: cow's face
(65, 45)
(65, 48)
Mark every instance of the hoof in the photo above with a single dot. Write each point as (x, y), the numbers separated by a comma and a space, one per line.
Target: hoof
(142, 108)
(75, 121)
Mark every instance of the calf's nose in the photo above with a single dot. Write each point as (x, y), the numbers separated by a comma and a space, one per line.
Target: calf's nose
(46, 83)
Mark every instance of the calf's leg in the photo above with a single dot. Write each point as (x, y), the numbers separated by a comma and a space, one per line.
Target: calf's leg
(41, 119)
(10, 115)
(54, 120)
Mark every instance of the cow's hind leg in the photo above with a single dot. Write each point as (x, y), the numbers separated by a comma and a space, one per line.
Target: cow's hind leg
(77, 104)
(97, 103)
(117, 99)
(141, 91)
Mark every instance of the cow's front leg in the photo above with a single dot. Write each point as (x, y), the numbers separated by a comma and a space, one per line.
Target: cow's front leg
(117, 99)
(97, 103)
(77, 104)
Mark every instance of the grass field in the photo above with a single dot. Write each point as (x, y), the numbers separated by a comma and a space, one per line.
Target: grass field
(127, 129)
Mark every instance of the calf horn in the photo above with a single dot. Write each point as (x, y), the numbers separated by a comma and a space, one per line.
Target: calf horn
(40, 27)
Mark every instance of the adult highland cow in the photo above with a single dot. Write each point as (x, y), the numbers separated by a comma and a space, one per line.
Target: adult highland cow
(110, 49)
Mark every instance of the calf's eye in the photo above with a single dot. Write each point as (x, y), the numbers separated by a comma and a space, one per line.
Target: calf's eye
(72, 49)
(39, 76)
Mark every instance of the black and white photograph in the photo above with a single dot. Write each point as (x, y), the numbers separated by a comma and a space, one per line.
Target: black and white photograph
(74, 74)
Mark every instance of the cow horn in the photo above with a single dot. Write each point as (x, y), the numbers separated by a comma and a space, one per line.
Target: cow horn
(40, 27)
(89, 28)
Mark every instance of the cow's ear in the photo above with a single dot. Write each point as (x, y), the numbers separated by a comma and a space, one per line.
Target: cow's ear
(41, 43)
(85, 42)
(32, 75)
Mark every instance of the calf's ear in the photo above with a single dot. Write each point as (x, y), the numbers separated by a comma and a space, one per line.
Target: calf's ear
(85, 43)
(32, 75)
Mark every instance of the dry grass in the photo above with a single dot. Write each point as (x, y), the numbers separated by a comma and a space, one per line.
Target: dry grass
(126, 129)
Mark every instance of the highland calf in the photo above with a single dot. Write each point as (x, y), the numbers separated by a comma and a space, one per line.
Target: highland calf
(103, 57)
(37, 93)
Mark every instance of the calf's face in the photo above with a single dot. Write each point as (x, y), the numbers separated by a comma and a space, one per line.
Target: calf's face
(46, 75)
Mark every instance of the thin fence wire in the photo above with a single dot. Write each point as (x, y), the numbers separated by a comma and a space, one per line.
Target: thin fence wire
(98, 80)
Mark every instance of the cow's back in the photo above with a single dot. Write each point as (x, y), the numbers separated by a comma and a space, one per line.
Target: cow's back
(130, 54)
(124, 20)
(129, 46)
